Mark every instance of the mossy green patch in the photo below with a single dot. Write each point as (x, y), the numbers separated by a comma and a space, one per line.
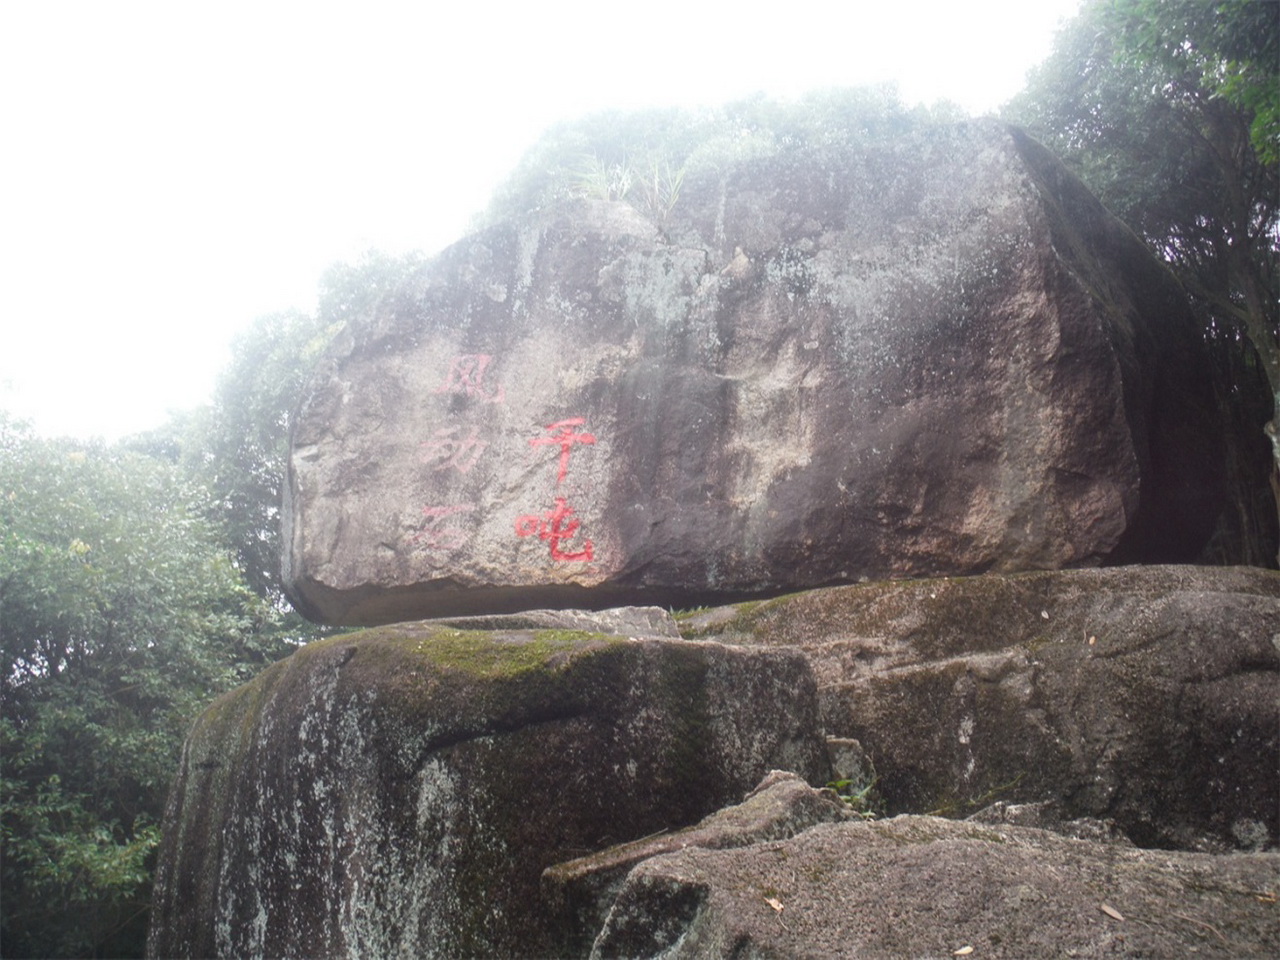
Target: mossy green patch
(486, 654)
(679, 615)
(955, 807)
(696, 625)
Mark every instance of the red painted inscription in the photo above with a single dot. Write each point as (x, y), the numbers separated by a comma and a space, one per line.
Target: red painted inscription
(448, 448)
(552, 528)
(466, 376)
(438, 535)
(565, 440)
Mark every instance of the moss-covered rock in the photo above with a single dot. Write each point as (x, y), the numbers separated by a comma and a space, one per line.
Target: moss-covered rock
(399, 791)
(1143, 694)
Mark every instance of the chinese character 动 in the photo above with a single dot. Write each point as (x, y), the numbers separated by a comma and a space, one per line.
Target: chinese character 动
(451, 450)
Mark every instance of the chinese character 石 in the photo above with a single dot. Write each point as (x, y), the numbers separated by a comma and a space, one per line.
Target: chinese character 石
(448, 449)
(552, 528)
(565, 439)
(466, 376)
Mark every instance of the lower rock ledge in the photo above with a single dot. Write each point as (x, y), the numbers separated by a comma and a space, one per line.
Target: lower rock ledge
(580, 892)
(753, 880)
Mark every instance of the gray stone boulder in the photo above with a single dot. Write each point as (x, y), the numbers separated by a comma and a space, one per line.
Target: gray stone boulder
(931, 354)
(581, 892)
(399, 791)
(919, 886)
(1143, 695)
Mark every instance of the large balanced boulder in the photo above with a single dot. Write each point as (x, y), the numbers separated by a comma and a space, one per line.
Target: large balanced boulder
(929, 354)
(399, 792)
(1144, 695)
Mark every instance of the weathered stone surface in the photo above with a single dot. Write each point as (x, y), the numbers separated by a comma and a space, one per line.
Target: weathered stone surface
(1047, 815)
(617, 621)
(1144, 695)
(933, 355)
(928, 887)
(581, 892)
(399, 792)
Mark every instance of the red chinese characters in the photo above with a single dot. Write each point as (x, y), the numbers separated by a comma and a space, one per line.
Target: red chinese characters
(552, 527)
(466, 376)
(459, 447)
(565, 439)
(448, 448)
(557, 525)
(436, 534)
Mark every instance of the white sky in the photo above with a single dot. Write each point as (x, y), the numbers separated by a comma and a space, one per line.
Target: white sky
(169, 171)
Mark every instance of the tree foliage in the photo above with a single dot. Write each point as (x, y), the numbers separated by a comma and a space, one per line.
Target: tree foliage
(1168, 110)
(121, 615)
(1231, 46)
(237, 446)
(138, 581)
(1137, 105)
(643, 156)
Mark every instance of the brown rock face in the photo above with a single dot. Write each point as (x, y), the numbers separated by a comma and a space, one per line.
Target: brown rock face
(1145, 695)
(936, 355)
(927, 887)
(398, 792)
(579, 893)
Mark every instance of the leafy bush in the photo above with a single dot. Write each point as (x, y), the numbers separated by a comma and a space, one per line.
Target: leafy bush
(121, 616)
(644, 156)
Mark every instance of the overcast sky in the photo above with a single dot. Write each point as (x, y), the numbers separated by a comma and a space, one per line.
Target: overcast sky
(172, 170)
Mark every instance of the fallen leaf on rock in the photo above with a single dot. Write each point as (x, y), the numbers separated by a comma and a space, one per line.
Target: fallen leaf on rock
(963, 951)
(776, 904)
(1111, 912)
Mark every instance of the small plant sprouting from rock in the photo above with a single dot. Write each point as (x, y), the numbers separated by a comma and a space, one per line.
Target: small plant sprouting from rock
(599, 180)
(660, 188)
(957, 808)
(651, 185)
(860, 798)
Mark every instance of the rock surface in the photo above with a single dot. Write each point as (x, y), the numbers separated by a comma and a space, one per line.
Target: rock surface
(1144, 695)
(1047, 815)
(398, 792)
(581, 892)
(931, 355)
(927, 887)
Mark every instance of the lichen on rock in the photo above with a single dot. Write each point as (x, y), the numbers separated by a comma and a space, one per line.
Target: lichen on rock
(1140, 694)
(928, 887)
(933, 353)
(401, 789)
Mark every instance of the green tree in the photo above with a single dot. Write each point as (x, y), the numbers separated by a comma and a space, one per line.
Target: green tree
(138, 581)
(1232, 47)
(1167, 108)
(238, 446)
(643, 156)
(121, 616)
